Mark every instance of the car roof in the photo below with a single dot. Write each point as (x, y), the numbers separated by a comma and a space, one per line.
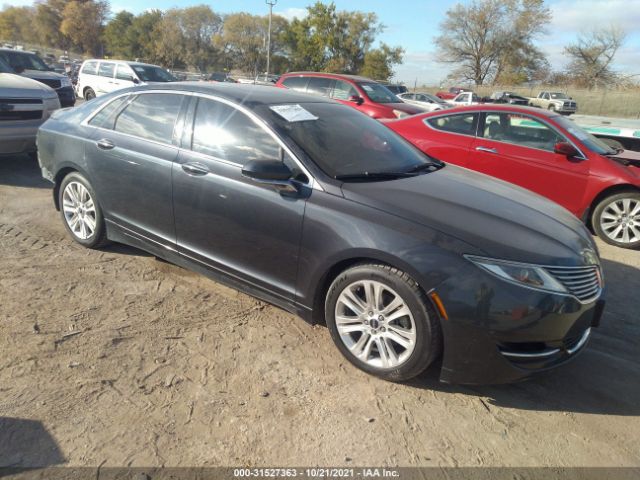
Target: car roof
(127, 62)
(12, 50)
(340, 76)
(246, 94)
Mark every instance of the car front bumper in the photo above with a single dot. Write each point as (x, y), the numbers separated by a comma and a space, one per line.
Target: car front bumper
(20, 137)
(67, 96)
(497, 332)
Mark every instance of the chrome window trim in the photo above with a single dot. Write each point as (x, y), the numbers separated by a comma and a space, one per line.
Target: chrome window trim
(313, 183)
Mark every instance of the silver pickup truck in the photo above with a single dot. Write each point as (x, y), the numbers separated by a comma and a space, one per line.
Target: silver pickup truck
(24, 105)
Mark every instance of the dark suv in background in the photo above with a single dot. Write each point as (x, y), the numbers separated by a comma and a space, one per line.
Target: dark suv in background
(32, 66)
(362, 93)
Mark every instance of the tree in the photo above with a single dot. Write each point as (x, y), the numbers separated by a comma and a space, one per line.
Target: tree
(16, 24)
(82, 23)
(592, 55)
(48, 18)
(199, 25)
(378, 63)
(142, 35)
(170, 42)
(492, 38)
(116, 35)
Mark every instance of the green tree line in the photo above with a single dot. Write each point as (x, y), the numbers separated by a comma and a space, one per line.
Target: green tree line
(199, 38)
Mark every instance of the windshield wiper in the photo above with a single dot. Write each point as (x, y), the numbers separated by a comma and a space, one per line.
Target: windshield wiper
(417, 170)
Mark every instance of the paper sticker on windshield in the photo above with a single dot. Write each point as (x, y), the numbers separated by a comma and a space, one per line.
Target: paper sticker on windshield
(293, 113)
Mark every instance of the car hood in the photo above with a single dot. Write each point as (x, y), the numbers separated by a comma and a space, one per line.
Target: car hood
(499, 219)
(16, 86)
(42, 74)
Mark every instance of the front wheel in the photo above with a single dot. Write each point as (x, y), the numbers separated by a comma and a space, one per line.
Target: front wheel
(382, 322)
(81, 212)
(616, 219)
(552, 108)
(89, 94)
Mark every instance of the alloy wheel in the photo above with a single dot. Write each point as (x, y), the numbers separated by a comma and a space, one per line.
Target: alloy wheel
(375, 324)
(79, 210)
(620, 220)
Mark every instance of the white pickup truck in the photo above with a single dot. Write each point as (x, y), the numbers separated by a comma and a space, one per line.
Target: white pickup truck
(465, 98)
(555, 101)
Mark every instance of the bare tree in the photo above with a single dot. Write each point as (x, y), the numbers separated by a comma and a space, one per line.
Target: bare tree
(492, 38)
(592, 55)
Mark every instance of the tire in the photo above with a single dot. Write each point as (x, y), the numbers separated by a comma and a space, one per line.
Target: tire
(367, 327)
(552, 107)
(89, 94)
(81, 212)
(616, 219)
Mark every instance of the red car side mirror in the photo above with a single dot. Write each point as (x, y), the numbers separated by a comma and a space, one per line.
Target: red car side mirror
(566, 149)
(356, 99)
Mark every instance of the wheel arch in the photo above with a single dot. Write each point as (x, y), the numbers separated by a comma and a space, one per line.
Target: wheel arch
(607, 192)
(59, 177)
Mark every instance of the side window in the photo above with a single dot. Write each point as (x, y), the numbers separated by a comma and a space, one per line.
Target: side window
(105, 117)
(320, 86)
(228, 134)
(106, 69)
(151, 116)
(520, 130)
(545, 96)
(463, 124)
(123, 72)
(90, 68)
(343, 90)
(296, 83)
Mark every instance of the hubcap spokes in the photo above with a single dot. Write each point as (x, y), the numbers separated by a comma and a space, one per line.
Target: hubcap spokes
(620, 220)
(375, 324)
(79, 210)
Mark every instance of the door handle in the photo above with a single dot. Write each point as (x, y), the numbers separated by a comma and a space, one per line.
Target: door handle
(105, 144)
(195, 168)
(487, 149)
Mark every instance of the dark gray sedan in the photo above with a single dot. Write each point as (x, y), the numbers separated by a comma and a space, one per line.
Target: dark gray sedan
(315, 207)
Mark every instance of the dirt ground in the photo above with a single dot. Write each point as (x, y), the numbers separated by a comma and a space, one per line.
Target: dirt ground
(114, 358)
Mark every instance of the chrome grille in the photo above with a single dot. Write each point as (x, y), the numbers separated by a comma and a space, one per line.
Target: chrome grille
(583, 282)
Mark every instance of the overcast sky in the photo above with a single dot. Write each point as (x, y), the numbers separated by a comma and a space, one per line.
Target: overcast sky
(413, 24)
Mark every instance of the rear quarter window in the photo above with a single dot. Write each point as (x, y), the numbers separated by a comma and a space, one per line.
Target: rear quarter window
(296, 83)
(463, 124)
(90, 68)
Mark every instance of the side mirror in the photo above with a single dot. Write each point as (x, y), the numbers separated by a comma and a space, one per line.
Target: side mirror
(135, 80)
(271, 172)
(356, 99)
(566, 149)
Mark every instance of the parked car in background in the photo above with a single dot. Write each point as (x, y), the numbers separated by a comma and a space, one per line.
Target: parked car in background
(361, 93)
(266, 79)
(507, 97)
(314, 207)
(451, 93)
(32, 66)
(465, 98)
(395, 88)
(555, 101)
(98, 77)
(544, 152)
(24, 105)
(426, 101)
(219, 77)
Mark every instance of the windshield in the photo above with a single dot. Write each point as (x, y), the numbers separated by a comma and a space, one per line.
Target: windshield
(559, 96)
(378, 93)
(149, 73)
(592, 143)
(4, 68)
(20, 61)
(344, 142)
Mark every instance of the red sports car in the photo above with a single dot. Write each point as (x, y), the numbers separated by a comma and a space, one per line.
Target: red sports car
(544, 152)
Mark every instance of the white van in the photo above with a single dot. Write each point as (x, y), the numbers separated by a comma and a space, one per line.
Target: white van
(98, 77)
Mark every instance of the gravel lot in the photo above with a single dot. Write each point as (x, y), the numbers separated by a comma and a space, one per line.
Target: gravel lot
(170, 368)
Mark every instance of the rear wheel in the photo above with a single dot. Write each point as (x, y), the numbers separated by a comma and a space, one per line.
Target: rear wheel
(89, 94)
(81, 212)
(616, 219)
(382, 322)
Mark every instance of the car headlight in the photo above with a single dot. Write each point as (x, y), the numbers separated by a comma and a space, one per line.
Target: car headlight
(523, 274)
(400, 113)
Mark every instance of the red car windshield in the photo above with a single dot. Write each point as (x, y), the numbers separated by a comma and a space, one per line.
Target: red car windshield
(592, 143)
(378, 93)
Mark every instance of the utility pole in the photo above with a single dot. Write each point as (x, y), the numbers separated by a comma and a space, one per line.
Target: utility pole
(271, 3)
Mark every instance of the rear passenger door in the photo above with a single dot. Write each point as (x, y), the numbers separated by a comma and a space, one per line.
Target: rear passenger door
(226, 221)
(104, 83)
(130, 158)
